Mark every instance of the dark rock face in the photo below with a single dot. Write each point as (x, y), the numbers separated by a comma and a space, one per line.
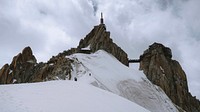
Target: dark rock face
(161, 70)
(22, 64)
(18, 70)
(98, 39)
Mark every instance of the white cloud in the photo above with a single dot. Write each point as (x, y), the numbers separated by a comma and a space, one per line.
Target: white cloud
(47, 26)
(51, 26)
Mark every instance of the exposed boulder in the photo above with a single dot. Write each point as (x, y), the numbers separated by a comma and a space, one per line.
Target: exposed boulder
(161, 70)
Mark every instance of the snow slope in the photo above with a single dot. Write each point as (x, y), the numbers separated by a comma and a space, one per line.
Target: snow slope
(62, 96)
(109, 74)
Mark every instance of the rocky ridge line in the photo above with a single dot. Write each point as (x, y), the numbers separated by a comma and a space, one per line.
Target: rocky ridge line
(24, 67)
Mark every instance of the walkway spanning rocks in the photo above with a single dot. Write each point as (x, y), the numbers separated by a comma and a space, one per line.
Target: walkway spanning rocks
(134, 61)
(161, 70)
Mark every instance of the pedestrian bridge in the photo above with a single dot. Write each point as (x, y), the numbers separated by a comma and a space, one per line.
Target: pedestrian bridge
(134, 61)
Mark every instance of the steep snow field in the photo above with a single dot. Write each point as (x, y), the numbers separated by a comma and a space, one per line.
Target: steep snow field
(62, 96)
(109, 74)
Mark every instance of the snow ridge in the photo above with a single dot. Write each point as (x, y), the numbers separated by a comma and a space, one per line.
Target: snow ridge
(109, 74)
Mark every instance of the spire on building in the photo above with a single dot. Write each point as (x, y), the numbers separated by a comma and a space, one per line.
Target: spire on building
(101, 20)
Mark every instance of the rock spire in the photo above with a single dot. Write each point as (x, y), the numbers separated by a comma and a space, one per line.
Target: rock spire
(157, 64)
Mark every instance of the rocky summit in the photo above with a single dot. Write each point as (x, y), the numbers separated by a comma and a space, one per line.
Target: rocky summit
(98, 39)
(157, 64)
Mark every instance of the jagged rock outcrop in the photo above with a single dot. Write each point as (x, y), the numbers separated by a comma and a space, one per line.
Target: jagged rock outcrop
(24, 68)
(22, 64)
(161, 70)
(99, 38)
(18, 70)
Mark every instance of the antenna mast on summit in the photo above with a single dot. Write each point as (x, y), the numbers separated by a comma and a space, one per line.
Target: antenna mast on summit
(101, 20)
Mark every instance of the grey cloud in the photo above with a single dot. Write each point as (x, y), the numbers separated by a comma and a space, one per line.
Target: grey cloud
(94, 6)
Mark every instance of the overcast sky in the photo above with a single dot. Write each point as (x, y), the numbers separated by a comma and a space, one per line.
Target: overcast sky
(51, 26)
